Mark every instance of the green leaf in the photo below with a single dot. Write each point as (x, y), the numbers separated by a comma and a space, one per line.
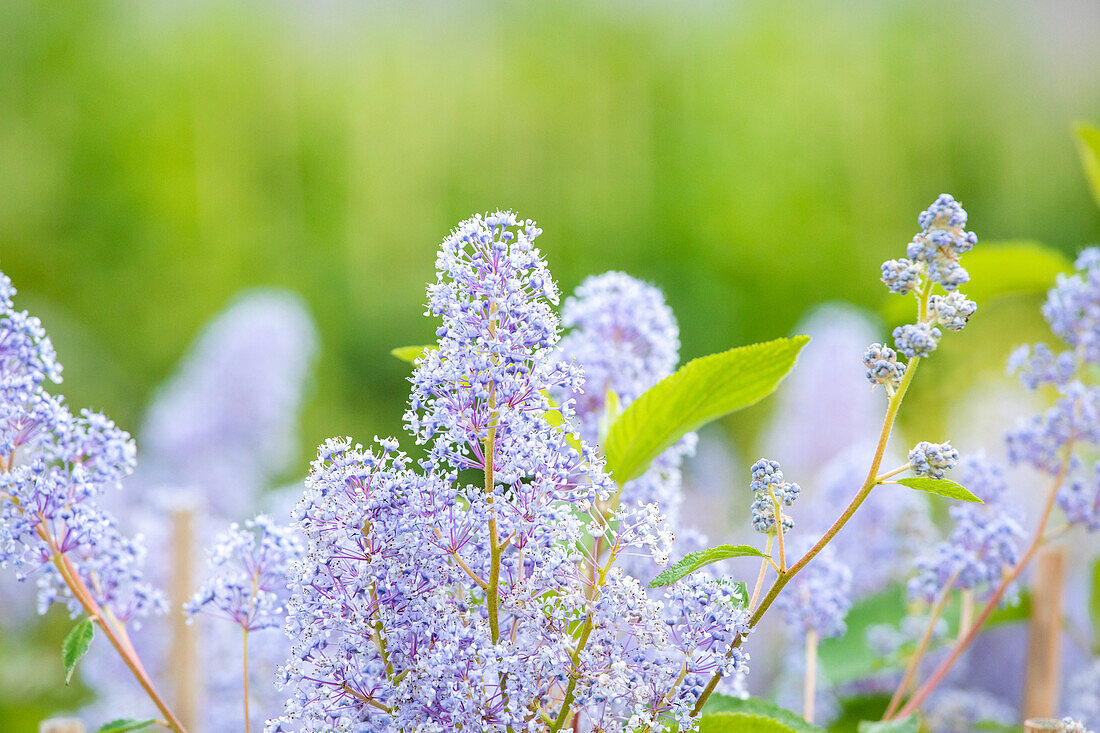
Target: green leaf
(696, 560)
(759, 706)
(905, 725)
(410, 353)
(940, 486)
(124, 725)
(858, 708)
(1088, 144)
(1094, 604)
(76, 645)
(997, 269)
(995, 727)
(741, 723)
(702, 390)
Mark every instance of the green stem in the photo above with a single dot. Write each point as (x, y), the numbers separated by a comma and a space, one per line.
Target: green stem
(868, 484)
(247, 717)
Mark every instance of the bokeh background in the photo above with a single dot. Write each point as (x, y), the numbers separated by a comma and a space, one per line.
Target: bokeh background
(753, 159)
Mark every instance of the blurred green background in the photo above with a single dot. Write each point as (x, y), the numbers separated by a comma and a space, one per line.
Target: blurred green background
(751, 158)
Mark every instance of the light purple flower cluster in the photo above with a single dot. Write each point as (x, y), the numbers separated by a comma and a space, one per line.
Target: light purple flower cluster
(1069, 725)
(424, 602)
(933, 459)
(1083, 698)
(955, 710)
(625, 338)
(819, 597)
(769, 488)
(933, 254)
(1073, 307)
(941, 241)
(1051, 441)
(249, 568)
(986, 538)
(883, 366)
(53, 468)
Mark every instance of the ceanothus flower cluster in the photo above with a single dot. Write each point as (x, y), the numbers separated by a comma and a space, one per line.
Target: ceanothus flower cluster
(769, 489)
(933, 459)
(431, 600)
(932, 259)
(818, 598)
(625, 338)
(53, 467)
(1051, 441)
(985, 540)
(249, 568)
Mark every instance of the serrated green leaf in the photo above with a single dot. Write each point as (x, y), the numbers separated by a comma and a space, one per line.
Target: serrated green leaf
(905, 725)
(1094, 605)
(409, 353)
(940, 486)
(125, 725)
(76, 645)
(758, 706)
(997, 269)
(696, 560)
(702, 390)
(1088, 144)
(741, 723)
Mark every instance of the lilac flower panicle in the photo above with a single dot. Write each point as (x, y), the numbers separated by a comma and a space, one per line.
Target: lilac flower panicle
(768, 487)
(986, 538)
(249, 566)
(1069, 725)
(933, 459)
(1041, 440)
(625, 338)
(1080, 500)
(1038, 365)
(54, 466)
(1073, 307)
(883, 366)
(818, 598)
(389, 611)
(917, 339)
(941, 241)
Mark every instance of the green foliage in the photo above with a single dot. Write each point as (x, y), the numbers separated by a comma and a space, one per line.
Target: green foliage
(905, 725)
(1094, 605)
(702, 390)
(409, 353)
(76, 645)
(846, 658)
(741, 723)
(758, 706)
(941, 486)
(858, 708)
(125, 725)
(1088, 144)
(998, 269)
(696, 560)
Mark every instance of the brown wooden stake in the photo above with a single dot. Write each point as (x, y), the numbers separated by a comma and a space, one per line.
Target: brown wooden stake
(1044, 644)
(61, 725)
(184, 656)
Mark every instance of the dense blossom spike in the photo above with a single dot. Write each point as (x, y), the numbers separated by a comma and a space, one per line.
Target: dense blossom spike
(424, 602)
(985, 540)
(54, 466)
(768, 488)
(883, 366)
